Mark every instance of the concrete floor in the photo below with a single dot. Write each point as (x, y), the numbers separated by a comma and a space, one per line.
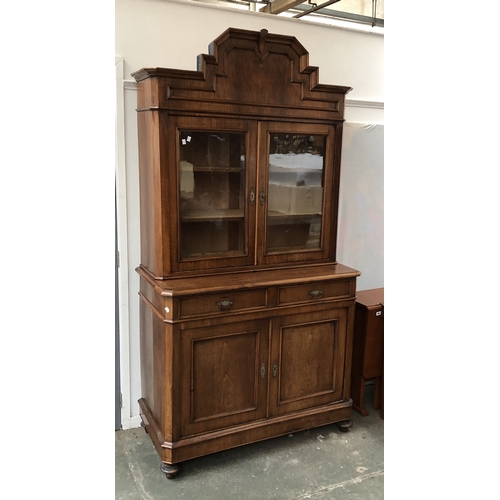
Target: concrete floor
(321, 463)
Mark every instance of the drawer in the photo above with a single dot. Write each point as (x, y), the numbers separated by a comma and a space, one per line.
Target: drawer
(222, 302)
(314, 291)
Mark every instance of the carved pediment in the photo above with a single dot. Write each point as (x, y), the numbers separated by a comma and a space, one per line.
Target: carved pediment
(249, 68)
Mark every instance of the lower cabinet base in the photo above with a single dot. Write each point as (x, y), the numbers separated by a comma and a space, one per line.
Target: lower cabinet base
(242, 357)
(173, 453)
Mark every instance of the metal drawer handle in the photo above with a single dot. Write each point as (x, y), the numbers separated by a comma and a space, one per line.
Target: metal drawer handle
(275, 369)
(225, 305)
(252, 196)
(316, 294)
(263, 371)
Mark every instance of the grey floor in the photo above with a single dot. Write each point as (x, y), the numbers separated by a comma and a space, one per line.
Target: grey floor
(321, 463)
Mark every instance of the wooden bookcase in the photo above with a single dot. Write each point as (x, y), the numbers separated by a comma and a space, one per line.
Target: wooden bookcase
(246, 316)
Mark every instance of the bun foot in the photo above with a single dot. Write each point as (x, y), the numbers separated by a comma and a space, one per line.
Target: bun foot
(345, 425)
(170, 470)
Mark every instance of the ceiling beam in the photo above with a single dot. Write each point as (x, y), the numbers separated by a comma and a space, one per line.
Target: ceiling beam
(315, 7)
(279, 6)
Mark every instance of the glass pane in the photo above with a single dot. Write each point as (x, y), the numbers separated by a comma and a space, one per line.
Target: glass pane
(212, 187)
(295, 192)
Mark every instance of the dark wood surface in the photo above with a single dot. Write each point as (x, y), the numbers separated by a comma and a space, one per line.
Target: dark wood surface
(228, 371)
(234, 280)
(368, 354)
(252, 83)
(372, 298)
(255, 341)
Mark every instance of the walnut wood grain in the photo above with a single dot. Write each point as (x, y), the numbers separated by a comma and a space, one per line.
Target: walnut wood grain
(246, 333)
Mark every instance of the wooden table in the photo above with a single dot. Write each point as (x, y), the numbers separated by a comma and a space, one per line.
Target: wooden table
(368, 348)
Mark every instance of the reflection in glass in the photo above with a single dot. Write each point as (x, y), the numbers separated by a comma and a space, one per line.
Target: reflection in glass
(211, 188)
(295, 192)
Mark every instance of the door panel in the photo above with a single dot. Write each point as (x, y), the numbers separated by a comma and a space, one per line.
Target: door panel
(222, 377)
(295, 165)
(216, 161)
(307, 359)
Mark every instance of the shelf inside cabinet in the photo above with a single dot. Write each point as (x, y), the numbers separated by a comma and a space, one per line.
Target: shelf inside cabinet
(210, 215)
(284, 217)
(218, 169)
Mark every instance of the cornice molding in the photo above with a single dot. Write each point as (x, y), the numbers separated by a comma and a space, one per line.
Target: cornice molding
(353, 103)
(129, 84)
(358, 103)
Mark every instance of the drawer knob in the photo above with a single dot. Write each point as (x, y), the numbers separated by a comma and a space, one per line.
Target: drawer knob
(225, 305)
(316, 294)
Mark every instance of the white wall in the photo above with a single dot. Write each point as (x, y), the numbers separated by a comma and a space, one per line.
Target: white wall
(163, 33)
(168, 33)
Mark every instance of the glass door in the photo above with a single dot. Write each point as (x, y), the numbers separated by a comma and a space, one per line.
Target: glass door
(214, 171)
(296, 178)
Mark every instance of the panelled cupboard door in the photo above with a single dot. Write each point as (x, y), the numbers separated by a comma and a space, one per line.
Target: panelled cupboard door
(224, 375)
(307, 360)
(296, 175)
(214, 197)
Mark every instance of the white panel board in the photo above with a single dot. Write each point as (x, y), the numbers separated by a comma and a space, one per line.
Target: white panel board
(361, 204)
